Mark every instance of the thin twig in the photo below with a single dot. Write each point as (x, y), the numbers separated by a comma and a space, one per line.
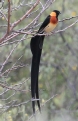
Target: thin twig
(12, 88)
(21, 19)
(9, 14)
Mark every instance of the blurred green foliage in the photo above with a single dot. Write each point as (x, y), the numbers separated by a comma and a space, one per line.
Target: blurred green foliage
(58, 68)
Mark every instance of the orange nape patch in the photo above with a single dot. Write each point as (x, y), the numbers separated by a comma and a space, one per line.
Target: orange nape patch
(53, 20)
(52, 14)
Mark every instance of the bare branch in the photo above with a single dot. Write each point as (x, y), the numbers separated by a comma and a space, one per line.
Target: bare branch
(17, 22)
(9, 14)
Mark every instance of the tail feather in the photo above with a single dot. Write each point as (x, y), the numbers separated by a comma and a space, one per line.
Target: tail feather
(34, 74)
(35, 44)
(37, 97)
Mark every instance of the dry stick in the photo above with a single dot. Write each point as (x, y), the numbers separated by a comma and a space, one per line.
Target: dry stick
(8, 28)
(67, 27)
(12, 88)
(22, 18)
(3, 15)
(8, 57)
(22, 32)
(13, 68)
(29, 33)
(9, 13)
(33, 34)
(10, 37)
(68, 18)
(27, 26)
(39, 14)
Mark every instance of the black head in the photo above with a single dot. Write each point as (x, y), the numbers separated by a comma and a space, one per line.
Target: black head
(57, 12)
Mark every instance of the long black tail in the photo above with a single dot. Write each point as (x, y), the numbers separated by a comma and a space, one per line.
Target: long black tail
(36, 45)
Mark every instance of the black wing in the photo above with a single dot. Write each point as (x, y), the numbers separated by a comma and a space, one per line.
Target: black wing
(44, 24)
(41, 29)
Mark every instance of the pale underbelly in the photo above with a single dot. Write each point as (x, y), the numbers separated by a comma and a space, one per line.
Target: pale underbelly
(50, 27)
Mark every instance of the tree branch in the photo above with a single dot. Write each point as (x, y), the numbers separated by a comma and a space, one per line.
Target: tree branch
(17, 22)
(9, 14)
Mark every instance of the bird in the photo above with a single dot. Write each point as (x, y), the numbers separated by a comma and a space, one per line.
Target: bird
(36, 45)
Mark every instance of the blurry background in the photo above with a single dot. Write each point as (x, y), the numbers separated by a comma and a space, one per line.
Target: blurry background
(58, 78)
